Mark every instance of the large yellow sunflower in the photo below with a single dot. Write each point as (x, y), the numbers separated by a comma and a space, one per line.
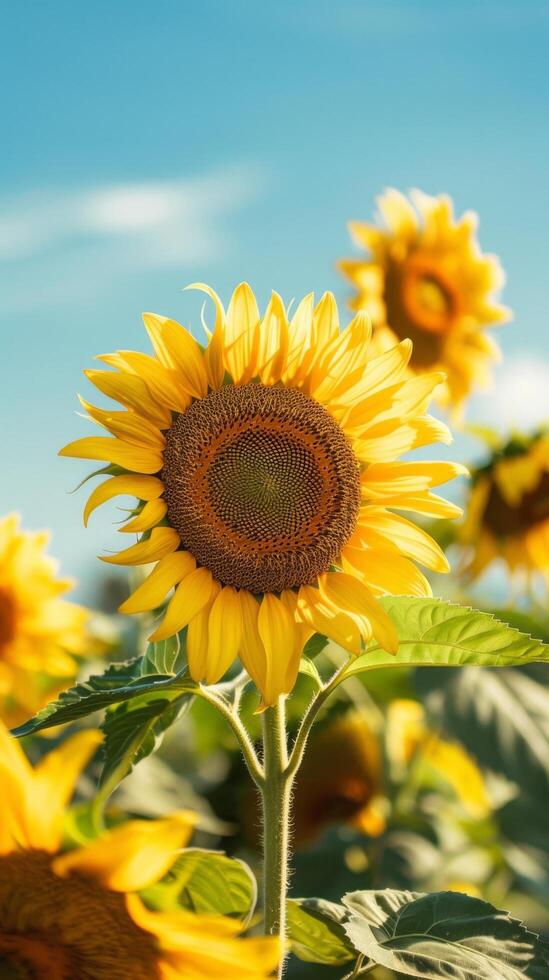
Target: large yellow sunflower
(267, 475)
(77, 915)
(508, 512)
(426, 279)
(40, 633)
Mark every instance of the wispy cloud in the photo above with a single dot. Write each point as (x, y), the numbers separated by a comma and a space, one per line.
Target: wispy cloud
(52, 239)
(519, 398)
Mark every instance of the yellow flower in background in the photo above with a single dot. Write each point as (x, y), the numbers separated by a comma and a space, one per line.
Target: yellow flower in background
(267, 471)
(340, 780)
(41, 634)
(426, 279)
(77, 914)
(408, 739)
(508, 512)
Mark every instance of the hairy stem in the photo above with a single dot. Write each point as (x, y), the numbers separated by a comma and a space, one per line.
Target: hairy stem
(309, 717)
(231, 716)
(276, 795)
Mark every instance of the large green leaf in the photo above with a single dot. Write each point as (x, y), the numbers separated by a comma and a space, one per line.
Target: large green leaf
(206, 882)
(120, 682)
(443, 935)
(316, 933)
(502, 718)
(436, 633)
(133, 729)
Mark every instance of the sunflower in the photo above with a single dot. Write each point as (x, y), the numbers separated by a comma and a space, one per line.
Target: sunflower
(426, 279)
(340, 780)
(266, 469)
(77, 914)
(409, 740)
(508, 512)
(40, 633)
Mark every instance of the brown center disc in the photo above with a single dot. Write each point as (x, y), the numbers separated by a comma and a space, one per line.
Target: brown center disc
(261, 485)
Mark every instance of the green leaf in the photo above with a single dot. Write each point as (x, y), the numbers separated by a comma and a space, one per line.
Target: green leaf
(133, 729)
(436, 633)
(314, 645)
(502, 718)
(206, 882)
(119, 682)
(316, 933)
(309, 668)
(525, 622)
(164, 657)
(443, 935)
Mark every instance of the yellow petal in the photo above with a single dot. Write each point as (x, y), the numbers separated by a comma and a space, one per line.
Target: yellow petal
(278, 635)
(348, 593)
(161, 380)
(143, 487)
(54, 780)
(242, 335)
(252, 651)
(162, 541)
(127, 426)
(427, 503)
(384, 571)
(224, 633)
(411, 540)
(337, 626)
(179, 350)
(191, 595)
(16, 777)
(150, 516)
(115, 451)
(133, 856)
(213, 355)
(387, 479)
(170, 570)
(273, 341)
(198, 638)
(195, 947)
(131, 391)
(398, 214)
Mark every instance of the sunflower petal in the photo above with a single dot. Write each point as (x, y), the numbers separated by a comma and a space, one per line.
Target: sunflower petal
(242, 335)
(162, 541)
(348, 593)
(277, 631)
(150, 516)
(133, 856)
(116, 451)
(169, 571)
(191, 595)
(224, 633)
(54, 780)
(142, 487)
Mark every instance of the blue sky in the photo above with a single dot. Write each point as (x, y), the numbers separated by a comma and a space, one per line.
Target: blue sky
(148, 145)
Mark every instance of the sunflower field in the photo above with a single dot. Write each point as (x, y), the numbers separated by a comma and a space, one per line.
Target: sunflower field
(294, 723)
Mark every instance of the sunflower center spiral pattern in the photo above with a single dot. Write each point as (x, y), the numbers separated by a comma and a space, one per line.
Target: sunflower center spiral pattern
(66, 928)
(261, 485)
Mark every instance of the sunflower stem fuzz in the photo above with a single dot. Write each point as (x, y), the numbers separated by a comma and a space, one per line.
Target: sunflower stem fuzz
(276, 799)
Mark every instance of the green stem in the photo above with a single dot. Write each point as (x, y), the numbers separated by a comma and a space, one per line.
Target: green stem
(276, 796)
(230, 714)
(309, 717)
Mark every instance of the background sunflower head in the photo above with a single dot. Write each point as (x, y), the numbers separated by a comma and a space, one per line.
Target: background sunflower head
(41, 634)
(508, 511)
(266, 466)
(425, 278)
(79, 914)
